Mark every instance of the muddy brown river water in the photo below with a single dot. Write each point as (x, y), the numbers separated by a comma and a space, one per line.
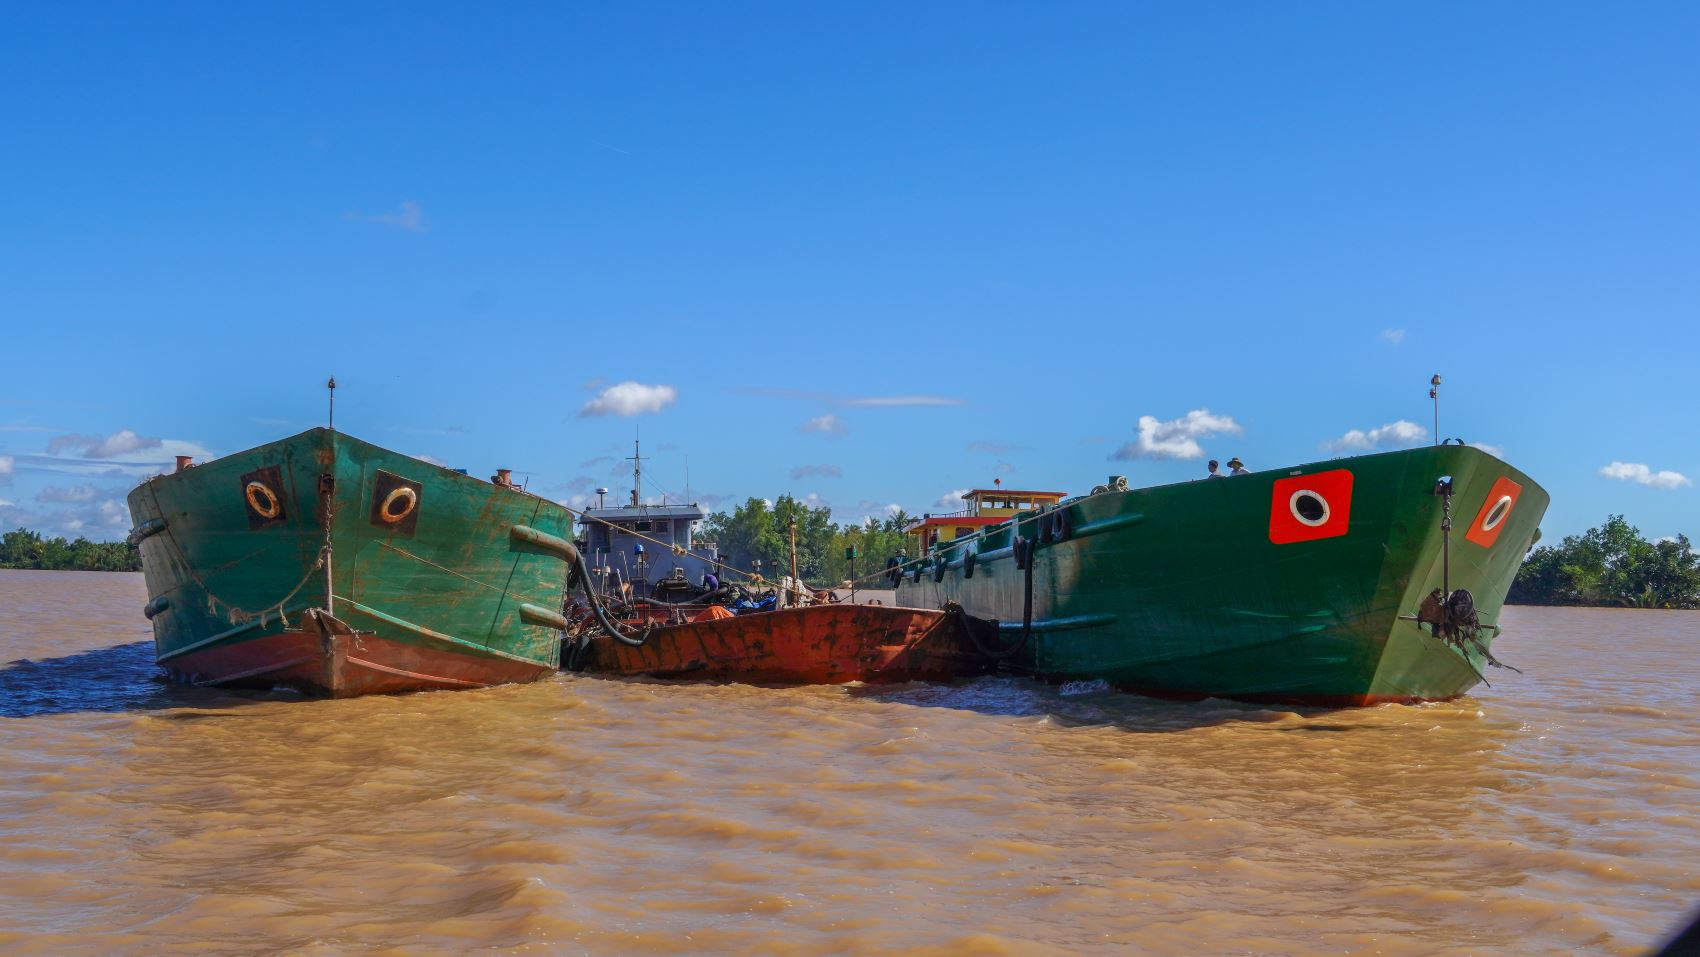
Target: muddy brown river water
(1557, 812)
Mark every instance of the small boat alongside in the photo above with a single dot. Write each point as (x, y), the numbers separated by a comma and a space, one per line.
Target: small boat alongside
(1354, 581)
(331, 565)
(810, 644)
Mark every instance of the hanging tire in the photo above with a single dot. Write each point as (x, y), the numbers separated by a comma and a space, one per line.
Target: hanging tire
(939, 570)
(1062, 525)
(968, 562)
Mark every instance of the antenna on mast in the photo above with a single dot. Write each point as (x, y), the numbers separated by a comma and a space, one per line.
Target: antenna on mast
(637, 472)
(331, 415)
(1434, 394)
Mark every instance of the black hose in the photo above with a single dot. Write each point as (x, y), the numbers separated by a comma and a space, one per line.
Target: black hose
(706, 598)
(608, 624)
(1024, 557)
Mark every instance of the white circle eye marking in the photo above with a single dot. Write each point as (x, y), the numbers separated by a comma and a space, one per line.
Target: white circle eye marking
(1501, 509)
(1309, 508)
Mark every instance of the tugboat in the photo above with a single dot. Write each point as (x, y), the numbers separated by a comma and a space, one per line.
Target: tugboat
(645, 550)
(1367, 579)
(340, 568)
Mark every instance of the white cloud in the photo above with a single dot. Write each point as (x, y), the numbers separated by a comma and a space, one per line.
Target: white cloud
(1402, 432)
(1497, 451)
(1176, 438)
(903, 400)
(951, 501)
(630, 398)
(824, 424)
(433, 460)
(8, 465)
(821, 471)
(121, 442)
(73, 494)
(1395, 336)
(103, 520)
(107, 519)
(873, 511)
(1640, 473)
(409, 216)
(993, 448)
(122, 453)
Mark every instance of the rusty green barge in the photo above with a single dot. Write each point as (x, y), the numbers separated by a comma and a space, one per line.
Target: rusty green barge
(340, 568)
(1334, 583)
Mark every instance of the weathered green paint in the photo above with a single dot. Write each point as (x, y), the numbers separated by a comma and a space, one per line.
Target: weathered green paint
(1178, 589)
(457, 580)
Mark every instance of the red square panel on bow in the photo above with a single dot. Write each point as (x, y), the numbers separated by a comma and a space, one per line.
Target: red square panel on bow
(1490, 520)
(1304, 508)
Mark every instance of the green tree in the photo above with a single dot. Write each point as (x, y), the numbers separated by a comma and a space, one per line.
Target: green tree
(1612, 565)
(874, 540)
(761, 530)
(22, 548)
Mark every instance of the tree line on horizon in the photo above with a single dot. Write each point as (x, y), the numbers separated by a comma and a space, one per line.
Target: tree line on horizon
(22, 548)
(759, 530)
(1611, 566)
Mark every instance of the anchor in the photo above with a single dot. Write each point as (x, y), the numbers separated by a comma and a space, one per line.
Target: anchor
(1451, 614)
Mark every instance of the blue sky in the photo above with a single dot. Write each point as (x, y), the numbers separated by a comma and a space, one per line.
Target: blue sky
(870, 253)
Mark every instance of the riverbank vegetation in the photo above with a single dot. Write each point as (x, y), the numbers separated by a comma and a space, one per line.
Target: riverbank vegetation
(1611, 566)
(759, 530)
(22, 548)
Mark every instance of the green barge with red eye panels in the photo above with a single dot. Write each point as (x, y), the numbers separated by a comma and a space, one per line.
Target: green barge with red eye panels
(340, 568)
(1354, 581)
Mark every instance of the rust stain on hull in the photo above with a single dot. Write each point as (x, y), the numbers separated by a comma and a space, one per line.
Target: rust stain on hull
(821, 644)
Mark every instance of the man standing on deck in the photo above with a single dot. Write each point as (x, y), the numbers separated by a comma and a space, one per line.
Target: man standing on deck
(1238, 467)
(1215, 468)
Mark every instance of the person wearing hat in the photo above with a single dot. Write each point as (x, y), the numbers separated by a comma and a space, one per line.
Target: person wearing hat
(1238, 467)
(1215, 470)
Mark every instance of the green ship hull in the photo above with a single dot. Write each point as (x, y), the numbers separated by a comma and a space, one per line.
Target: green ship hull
(326, 563)
(1298, 585)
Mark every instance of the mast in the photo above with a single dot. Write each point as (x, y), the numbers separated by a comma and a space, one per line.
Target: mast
(326, 490)
(636, 458)
(794, 586)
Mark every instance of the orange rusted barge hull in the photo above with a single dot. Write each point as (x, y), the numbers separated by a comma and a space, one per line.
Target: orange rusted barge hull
(819, 644)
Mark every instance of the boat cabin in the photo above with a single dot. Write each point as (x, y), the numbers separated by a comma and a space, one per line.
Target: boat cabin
(644, 544)
(986, 506)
